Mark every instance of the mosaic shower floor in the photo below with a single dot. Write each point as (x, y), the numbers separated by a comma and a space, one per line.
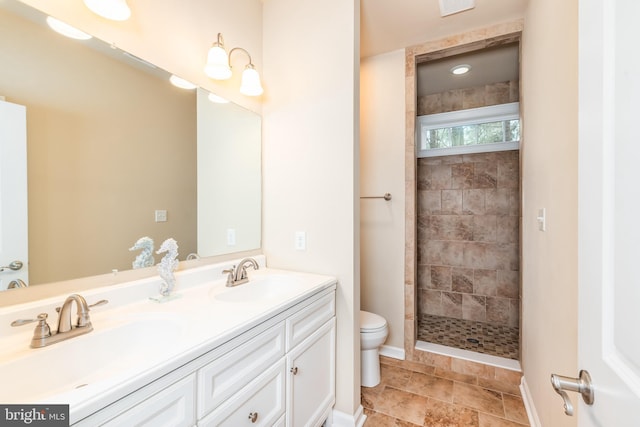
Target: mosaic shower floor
(501, 341)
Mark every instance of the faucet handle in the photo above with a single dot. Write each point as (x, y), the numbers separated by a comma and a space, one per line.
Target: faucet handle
(95, 304)
(99, 303)
(42, 317)
(230, 272)
(41, 331)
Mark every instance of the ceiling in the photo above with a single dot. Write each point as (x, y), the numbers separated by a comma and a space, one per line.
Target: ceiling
(498, 64)
(388, 25)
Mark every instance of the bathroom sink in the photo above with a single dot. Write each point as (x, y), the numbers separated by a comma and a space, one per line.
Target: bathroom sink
(265, 287)
(35, 374)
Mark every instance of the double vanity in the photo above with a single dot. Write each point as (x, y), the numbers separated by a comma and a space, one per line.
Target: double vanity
(259, 353)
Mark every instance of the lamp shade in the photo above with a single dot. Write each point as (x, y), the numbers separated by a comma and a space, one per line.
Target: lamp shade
(116, 10)
(217, 63)
(250, 84)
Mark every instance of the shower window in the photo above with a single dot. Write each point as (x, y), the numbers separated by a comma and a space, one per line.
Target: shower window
(475, 130)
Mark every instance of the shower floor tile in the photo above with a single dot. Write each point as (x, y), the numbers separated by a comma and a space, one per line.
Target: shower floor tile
(501, 341)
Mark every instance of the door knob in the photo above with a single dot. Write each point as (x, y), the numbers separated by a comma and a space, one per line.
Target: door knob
(15, 266)
(581, 385)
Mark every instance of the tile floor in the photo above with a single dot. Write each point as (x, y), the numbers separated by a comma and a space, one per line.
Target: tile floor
(501, 341)
(412, 394)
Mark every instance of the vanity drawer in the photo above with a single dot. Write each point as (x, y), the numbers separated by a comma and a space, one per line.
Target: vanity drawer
(172, 407)
(262, 399)
(306, 321)
(225, 376)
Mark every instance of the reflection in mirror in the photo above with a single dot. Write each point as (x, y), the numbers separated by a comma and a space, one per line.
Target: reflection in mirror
(228, 214)
(110, 143)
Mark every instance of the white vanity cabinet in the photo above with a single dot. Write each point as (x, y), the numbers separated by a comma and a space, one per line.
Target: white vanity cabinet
(172, 407)
(304, 375)
(310, 391)
(311, 337)
(280, 372)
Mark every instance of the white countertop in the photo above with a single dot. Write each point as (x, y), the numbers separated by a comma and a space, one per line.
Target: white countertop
(150, 339)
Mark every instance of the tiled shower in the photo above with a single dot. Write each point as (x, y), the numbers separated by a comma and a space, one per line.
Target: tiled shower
(468, 289)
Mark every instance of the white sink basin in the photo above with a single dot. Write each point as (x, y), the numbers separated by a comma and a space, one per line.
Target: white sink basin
(36, 373)
(259, 288)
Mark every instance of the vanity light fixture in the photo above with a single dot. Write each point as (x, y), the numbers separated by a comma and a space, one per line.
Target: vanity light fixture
(461, 69)
(116, 10)
(181, 83)
(218, 67)
(66, 29)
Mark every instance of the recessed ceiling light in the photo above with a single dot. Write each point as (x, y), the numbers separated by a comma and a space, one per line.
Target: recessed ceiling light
(461, 69)
(181, 83)
(66, 29)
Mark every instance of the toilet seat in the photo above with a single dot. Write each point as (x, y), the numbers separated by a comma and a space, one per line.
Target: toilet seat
(371, 322)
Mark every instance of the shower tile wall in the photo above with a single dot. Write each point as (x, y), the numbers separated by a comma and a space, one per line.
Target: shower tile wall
(468, 237)
(461, 99)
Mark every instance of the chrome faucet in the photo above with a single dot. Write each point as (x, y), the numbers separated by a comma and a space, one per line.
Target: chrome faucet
(17, 283)
(238, 275)
(64, 316)
(42, 335)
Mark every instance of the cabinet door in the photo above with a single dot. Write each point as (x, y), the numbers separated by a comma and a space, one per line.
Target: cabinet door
(311, 377)
(260, 404)
(225, 376)
(172, 407)
(309, 319)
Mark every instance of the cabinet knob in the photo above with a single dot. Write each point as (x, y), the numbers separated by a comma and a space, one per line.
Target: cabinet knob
(253, 416)
(294, 370)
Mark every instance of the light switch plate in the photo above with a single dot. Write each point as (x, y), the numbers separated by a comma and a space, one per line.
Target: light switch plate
(231, 236)
(542, 219)
(301, 240)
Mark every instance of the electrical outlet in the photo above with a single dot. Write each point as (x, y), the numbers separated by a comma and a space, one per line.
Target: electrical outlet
(161, 215)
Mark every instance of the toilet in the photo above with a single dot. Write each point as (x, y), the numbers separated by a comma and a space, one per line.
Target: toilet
(373, 333)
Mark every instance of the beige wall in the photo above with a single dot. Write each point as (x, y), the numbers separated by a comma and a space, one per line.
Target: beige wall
(310, 157)
(382, 130)
(549, 169)
(107, 145)
(549, 101)
(229, 153)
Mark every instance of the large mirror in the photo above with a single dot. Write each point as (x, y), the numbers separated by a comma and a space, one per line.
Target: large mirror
(113, 148)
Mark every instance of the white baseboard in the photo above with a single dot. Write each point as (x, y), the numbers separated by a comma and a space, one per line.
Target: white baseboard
(341, 419)
(534, 420)
(392, 352)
